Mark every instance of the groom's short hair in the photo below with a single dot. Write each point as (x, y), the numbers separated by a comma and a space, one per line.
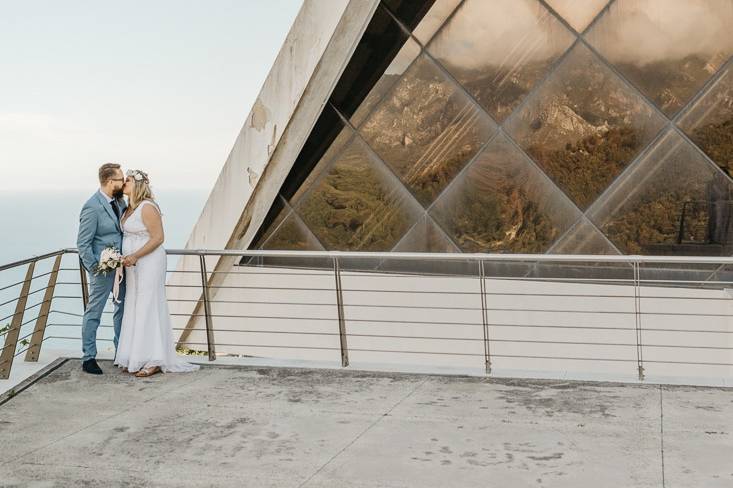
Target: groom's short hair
(108, 171)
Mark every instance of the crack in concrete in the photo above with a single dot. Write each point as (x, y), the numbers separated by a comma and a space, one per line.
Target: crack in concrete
(369, 427)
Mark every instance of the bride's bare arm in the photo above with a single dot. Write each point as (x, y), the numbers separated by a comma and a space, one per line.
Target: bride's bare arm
(154, 225)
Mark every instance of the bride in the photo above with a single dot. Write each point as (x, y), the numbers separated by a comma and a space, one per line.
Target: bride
(146, 339)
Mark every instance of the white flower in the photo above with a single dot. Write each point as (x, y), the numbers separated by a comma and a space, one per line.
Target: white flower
(110, 258)
(137, 174)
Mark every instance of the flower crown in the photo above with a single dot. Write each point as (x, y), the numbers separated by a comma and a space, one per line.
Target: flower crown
(138, 175)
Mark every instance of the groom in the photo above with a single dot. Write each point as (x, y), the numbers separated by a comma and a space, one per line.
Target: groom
(99, 227)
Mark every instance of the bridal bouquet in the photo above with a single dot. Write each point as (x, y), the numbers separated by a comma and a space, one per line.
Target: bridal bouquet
(110, 260)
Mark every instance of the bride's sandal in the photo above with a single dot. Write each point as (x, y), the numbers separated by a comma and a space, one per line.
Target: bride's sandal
(143, 373)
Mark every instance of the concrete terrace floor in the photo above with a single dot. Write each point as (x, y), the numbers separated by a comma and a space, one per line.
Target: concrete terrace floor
(279, 427)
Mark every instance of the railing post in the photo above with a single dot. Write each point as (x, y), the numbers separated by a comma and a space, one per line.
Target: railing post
(11, 338)
(34, 350)
(681, 229)
(84, 285)
(637, 317)
(341, 315)
(485, 318)
(210, 343)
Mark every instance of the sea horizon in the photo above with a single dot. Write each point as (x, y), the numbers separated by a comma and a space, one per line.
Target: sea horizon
(35, 222)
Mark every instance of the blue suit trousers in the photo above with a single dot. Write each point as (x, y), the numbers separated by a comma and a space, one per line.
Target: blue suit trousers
(100, 287)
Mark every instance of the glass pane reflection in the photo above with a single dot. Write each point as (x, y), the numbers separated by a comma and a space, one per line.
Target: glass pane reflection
(709, 122)
(583, 238)
(434, 19)
(358, 205)
(671, 202)
(667, 49)
(578, 13)
(292, 235)
(498, 50)
(425, 236)
(281, 210)
(289, 233)
(503, 203)
(410, 50)
(341, 141)
(426, 129)
(584, 125)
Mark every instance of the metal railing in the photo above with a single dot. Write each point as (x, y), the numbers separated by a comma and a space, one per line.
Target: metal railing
(704, 222)
(517, 311)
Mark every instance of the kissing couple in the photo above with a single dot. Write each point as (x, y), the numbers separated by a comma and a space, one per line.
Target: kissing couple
(143, 331)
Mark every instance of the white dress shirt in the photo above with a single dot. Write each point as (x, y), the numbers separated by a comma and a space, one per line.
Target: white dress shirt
(109, 199)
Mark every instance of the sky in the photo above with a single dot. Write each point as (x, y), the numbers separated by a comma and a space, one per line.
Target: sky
(159, 85)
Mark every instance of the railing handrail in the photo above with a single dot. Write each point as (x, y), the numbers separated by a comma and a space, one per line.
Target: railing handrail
(35, 258)
(534, 258)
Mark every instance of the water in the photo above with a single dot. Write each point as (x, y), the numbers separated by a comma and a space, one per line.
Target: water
(37, 223)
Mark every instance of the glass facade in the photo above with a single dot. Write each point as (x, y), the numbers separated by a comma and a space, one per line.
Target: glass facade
(525, 126)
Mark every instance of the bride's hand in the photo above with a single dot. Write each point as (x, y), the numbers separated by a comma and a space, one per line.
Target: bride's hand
(129, 260)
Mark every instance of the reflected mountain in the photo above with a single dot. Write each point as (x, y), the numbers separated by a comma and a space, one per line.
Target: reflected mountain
(499, 90)
(584, 126)
(502, 203)
(671, 83)
(717, 142)
(357, 205)
(426, 129)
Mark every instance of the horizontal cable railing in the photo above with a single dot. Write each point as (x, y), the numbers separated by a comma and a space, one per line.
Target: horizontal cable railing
(552, 313)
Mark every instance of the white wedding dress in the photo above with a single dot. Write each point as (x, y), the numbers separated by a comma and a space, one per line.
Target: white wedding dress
(146, 338)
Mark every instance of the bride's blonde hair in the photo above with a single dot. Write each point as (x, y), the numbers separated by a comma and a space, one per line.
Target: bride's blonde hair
(141, 189)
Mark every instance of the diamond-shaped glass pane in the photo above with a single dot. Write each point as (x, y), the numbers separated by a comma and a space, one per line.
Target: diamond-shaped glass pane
(584, 125)
(357, 204)
(425, 236)
(671, 202)
(341, 135)
(410, 50)
(426, 129)
(502, 202)
(434, 19)
(410, 12)
(583, 238)
(498, 50)
(578, 13)
(292, 235)
(281, 210)
(709, 122)
(668, 49)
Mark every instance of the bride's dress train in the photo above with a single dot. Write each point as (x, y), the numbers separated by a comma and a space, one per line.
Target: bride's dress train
(146, 338)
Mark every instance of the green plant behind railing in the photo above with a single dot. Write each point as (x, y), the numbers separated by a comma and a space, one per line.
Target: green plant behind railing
(5, 328)
(190, 352)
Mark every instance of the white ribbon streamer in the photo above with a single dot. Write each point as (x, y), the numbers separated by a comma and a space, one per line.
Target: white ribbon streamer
(116, 287)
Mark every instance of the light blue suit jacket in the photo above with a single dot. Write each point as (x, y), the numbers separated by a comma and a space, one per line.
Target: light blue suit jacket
(98, 228)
